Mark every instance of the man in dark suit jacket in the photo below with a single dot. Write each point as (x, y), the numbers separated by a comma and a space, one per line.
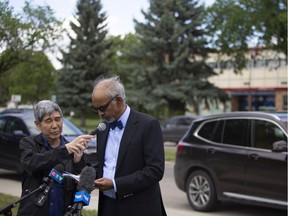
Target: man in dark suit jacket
(130, 155)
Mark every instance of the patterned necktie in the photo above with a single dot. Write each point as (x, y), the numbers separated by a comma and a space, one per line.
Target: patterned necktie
(118, 124)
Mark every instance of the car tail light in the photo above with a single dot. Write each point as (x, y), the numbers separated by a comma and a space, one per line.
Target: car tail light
(179, 148)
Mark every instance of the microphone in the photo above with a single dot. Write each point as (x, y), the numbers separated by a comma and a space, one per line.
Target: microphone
(100, 127)
(84, 188)
(54, 176)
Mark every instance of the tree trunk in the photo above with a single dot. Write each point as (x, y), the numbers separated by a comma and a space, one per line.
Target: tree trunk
(83, 120)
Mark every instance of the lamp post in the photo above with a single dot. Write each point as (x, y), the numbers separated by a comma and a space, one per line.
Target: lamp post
(249, 86)
(254, 53)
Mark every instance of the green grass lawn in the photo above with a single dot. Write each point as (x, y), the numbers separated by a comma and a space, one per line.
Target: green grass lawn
(8, 199)
(170, 155)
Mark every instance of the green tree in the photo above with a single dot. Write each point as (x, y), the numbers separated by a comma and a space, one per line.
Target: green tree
(87, 57)
(34, 80)
(117, 44)
(169, 66)
(233, 25)
(122, 47)
(35, 29)
(4, 89)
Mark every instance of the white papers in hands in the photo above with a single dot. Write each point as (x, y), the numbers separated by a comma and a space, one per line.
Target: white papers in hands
(70, 175)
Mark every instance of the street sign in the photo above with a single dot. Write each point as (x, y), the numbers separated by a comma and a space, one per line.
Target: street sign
(16, 98)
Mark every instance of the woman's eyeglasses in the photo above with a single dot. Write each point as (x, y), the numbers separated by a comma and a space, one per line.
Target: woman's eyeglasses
(104, 107)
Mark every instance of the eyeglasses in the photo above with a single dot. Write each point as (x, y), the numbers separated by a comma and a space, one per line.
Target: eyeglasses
(104, 107)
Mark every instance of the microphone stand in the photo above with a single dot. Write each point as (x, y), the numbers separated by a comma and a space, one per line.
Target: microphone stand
(6, 210)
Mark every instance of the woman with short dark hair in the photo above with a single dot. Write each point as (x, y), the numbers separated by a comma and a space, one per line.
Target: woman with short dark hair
(41, 153)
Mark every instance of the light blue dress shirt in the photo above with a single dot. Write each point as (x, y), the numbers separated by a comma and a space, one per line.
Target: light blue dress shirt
(111, 152)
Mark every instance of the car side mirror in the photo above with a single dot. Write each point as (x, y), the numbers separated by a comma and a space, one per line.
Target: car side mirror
(280, 146)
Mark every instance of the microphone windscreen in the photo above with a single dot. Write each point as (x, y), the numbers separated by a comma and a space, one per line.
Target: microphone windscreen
(101, 126)
(86, 180)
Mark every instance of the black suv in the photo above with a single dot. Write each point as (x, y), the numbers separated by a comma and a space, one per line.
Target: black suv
(238, 156)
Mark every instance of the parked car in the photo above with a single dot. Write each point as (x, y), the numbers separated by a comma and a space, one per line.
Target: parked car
(15, 124)
(175, 127)
(238, 156)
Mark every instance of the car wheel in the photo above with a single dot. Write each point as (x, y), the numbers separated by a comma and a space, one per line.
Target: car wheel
(200, 191)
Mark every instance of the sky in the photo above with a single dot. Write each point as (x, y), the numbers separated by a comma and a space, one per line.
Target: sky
(120, 13)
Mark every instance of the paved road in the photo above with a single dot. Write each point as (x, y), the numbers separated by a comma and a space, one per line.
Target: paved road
(175, 200)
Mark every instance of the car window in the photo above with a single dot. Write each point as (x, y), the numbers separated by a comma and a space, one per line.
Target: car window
(16, 124)
(31, 126)
(2, 124)
(229, 131)
(218, 131)
(267, 133)
(207, 131)
(235, 132)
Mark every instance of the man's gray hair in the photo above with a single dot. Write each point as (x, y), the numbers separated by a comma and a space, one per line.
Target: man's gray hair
(115, 86)
(44, 107)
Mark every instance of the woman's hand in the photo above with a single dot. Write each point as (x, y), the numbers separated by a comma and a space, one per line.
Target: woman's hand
(78, 146)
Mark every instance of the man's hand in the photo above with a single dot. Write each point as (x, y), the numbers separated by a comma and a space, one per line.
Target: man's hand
(103, 184)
